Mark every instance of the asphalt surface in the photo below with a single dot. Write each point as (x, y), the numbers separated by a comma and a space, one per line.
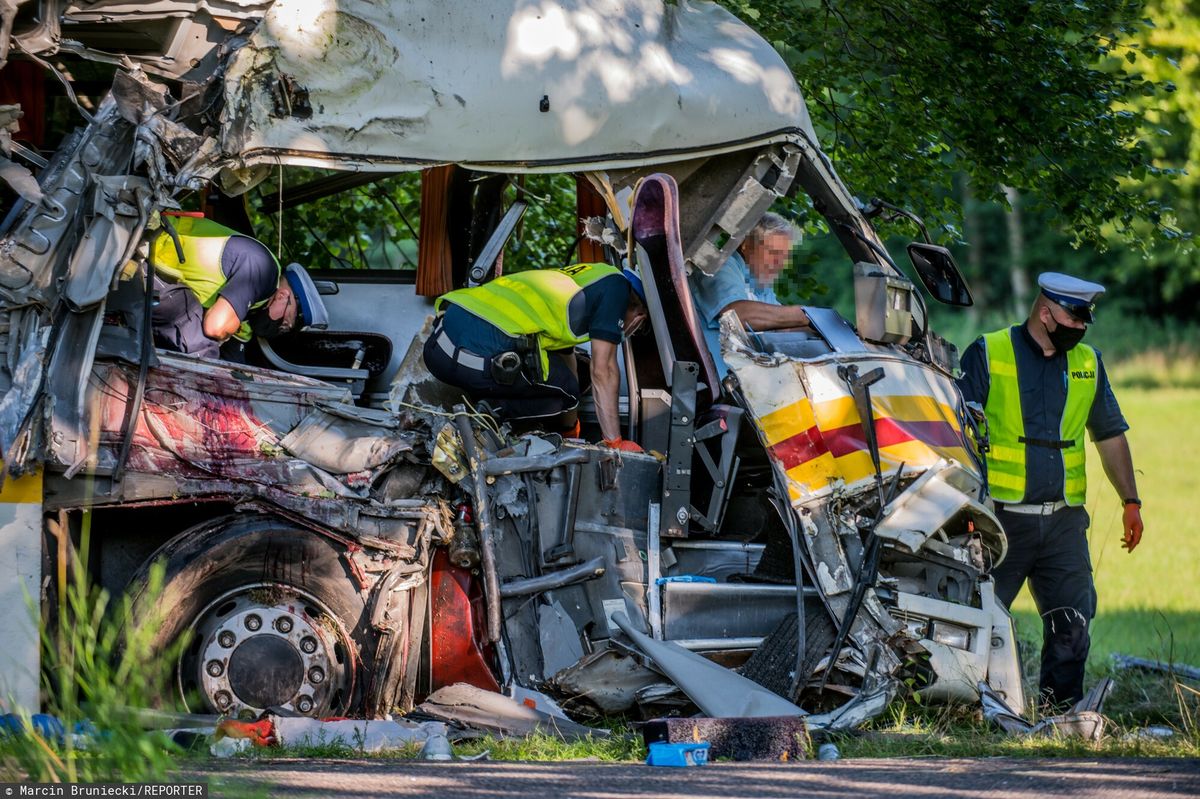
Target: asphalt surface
(988, 778)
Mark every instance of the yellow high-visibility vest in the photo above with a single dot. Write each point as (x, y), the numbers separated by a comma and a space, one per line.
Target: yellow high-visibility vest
(1006, 425)
(203, 242)
(533, 303)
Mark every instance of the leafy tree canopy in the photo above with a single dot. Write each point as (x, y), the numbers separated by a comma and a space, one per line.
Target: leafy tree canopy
(1047, 96)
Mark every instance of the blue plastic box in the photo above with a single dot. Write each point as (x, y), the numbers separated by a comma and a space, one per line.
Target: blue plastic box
(677, 755)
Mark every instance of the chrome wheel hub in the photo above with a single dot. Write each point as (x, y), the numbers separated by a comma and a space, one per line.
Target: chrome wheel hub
(268, 646)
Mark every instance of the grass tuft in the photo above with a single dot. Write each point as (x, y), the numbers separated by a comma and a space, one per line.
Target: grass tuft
(97, 664)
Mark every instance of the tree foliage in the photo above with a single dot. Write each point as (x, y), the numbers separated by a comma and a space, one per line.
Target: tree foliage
(1041, 95)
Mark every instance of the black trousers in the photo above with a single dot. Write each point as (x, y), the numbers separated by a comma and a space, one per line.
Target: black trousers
(522, 399)
(178, 325)
(178, 320)
(1052, 553)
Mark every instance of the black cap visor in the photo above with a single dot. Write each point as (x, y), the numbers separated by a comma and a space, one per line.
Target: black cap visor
(1083, 311)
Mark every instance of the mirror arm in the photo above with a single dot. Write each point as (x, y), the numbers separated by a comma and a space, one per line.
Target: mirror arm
(877, 205)
(876, 248)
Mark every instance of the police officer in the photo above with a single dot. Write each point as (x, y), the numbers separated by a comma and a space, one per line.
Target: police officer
(512, 339)
(1040, 387)
(214, 284)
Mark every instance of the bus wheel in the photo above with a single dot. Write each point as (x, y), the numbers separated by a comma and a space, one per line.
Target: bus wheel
(270, 614)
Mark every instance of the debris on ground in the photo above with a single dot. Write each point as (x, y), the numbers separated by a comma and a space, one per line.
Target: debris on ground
(1084, 720)
(465, 705)
(677, 755)
(376, 735)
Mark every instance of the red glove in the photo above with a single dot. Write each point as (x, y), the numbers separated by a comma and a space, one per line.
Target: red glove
(1133, 525)
(622, 444)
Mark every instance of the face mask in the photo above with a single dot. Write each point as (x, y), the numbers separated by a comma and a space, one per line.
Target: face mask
(263, 325)
(1065, 338)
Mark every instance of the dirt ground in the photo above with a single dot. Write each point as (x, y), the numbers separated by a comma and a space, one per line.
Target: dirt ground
(990, 778)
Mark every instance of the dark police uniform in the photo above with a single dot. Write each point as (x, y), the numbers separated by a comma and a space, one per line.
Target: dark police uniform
(243, 271)
(1047, 539)
(464, 345)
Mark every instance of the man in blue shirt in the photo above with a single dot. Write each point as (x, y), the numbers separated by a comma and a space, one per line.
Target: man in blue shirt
(745, 285)
(1040, 389)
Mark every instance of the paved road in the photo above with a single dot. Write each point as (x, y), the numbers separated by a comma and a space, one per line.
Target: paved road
(990, 778)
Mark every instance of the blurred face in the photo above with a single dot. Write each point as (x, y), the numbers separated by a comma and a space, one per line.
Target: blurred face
(767, 258)
(282, 307)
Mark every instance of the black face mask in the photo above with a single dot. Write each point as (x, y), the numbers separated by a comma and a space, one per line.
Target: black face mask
(263, 325)
(1065, 338)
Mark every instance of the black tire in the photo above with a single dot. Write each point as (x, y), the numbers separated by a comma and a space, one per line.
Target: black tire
(216, 575)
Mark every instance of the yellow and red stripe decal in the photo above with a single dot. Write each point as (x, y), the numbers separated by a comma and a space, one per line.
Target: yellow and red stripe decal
(821, 442)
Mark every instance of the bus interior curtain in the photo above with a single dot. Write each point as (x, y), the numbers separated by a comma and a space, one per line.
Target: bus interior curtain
(435, 265)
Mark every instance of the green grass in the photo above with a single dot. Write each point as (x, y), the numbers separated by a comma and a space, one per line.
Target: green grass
(98, 662)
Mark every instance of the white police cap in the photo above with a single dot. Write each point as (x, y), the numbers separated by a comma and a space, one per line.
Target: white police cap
(1075, 295)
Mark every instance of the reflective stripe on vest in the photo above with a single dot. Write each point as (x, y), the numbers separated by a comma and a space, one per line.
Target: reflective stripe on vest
(203, 242)
(536, 302)
(1006, 425)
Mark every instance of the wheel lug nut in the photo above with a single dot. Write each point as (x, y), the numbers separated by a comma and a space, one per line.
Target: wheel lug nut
(227, 639)
(215, 668)
(315, 675)
(223, 699)
(304, 705)
(283, 624)
(253, 622)
(308, 645)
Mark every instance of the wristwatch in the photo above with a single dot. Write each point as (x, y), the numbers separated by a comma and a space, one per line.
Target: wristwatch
(1132, 501)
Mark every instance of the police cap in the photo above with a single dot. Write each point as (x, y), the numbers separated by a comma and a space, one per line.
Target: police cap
(1076, 296)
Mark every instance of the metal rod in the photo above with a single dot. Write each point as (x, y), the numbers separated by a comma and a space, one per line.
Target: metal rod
(534, 463)
(483, 522)
(582, 572)
(653, 571)
(705, 644)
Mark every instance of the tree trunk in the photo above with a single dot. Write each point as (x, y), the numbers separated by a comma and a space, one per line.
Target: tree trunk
(973, 233)
(1018, 277)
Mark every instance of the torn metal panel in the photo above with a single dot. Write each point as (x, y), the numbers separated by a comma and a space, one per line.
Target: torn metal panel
(1084, 720)
(621, 81)
(767, 179)
(120, 209)
(20, 180)
(945, 491)
(1004, 661)
(340, 445)
(558, 637)
(716, 690)
(473, 707)
(27, 353)
(607, 679)
(868, 704)
(172, 38)
(32, 254)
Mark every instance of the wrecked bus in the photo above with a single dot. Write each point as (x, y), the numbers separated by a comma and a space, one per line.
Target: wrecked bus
(343, 535)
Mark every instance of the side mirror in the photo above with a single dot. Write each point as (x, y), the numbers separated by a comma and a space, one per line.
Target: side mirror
(937, 270)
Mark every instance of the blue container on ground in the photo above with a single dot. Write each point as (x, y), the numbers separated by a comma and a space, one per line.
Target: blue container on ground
(677, 755)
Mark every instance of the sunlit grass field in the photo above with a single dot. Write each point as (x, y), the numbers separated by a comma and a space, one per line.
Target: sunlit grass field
(1149, 601)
